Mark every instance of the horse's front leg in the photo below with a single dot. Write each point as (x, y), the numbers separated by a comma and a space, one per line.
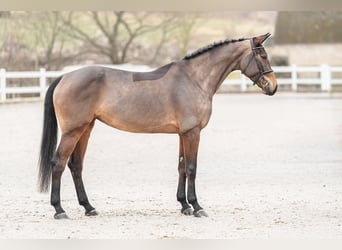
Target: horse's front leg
(190, 146)
(181, 197)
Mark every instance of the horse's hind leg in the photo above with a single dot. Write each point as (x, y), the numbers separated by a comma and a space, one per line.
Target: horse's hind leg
(76, 165)
(181, 197)
(65, 147)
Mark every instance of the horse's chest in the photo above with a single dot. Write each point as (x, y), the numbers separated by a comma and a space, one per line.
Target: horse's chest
(205, 114)
(195, 114)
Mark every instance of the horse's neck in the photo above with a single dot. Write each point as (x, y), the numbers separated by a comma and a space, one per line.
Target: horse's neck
(210, 69)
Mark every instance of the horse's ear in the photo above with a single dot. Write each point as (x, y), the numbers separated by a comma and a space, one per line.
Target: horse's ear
(260, 39)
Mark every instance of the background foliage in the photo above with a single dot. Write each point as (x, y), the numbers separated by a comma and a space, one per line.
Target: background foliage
(53, 40)
(308, 27)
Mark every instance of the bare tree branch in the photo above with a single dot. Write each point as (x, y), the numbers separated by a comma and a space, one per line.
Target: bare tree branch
(77, 33)
(114, 41)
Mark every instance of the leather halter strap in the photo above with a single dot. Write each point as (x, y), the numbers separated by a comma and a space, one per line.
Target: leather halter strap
(261, 69)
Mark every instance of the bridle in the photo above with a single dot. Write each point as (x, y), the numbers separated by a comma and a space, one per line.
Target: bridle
(261, 69)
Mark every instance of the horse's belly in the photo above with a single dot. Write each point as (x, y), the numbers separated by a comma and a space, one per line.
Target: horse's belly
(139, 128)
(138, 121)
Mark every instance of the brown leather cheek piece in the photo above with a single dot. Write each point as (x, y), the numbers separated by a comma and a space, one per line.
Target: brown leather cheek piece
(153, 75)
(261, 68)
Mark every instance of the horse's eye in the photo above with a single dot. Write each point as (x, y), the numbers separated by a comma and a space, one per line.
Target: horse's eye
(264, 56)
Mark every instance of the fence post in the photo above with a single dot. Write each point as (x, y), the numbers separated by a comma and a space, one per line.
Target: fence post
(294, 77)
(2, 85)
(42, 82)
(243, 86)
(325, 77)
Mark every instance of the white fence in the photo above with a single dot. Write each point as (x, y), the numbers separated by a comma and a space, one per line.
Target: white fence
(324, 76)
(42, 75)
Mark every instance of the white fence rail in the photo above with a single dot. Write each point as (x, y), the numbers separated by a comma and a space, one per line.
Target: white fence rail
(323, 76)
(42, 75)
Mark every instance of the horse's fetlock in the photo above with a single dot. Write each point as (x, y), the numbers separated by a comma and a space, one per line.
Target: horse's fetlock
(181, 198)
(192, 200)
(83, 203)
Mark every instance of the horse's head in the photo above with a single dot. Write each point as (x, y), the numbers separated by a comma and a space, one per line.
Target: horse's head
(256, 66)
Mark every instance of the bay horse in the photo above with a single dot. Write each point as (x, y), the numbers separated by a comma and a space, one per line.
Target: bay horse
(176, 98)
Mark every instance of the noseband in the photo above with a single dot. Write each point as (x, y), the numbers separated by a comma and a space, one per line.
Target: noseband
(261, 69)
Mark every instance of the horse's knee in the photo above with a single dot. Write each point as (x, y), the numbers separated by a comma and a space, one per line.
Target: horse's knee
(191, 171)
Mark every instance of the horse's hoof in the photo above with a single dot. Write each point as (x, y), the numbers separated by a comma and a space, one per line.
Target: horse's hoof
(200, 213)
(187, 211)
(91, 213)
(61, 216)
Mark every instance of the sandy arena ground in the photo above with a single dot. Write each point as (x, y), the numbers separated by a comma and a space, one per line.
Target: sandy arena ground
(268, 167)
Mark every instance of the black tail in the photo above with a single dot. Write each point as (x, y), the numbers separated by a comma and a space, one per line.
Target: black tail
(49, 139)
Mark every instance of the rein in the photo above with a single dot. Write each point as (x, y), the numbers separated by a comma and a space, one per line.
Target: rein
(261, 69)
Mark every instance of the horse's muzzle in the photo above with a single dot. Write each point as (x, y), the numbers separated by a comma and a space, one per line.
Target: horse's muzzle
(267, 88)
(268, 84)
(268, 91)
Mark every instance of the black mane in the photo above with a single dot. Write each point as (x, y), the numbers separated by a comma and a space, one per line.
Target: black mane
(210, 47)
